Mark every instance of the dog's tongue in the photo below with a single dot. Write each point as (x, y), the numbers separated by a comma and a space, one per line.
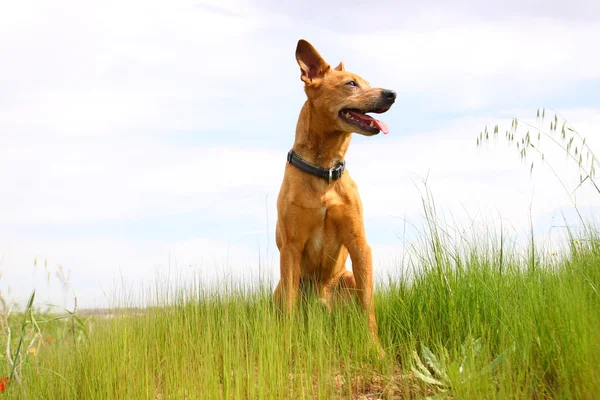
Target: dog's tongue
(382, 126)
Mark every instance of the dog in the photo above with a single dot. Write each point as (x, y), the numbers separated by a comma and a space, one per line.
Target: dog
(319, 211)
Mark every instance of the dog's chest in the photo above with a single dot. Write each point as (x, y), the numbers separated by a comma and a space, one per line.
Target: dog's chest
(314, 245)
(319, 230)
(319, 245)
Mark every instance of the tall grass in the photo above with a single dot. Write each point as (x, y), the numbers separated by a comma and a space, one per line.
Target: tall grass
(484, 326)
(475, 319)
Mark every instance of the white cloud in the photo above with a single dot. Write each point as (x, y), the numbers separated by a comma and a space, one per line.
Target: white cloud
(120, 69)
(58, 184)
(476, 64)
(92, 98)
(100, 267)
(488, 179)
(389, 15)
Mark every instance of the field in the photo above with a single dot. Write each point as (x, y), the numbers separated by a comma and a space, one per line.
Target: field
(477, 317)
(474, 321)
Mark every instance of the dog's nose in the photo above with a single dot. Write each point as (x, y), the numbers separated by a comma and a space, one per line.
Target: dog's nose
(389, 94)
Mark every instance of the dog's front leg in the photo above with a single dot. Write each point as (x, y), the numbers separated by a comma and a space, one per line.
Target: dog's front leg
(350, 223)
(286, 292)
(362, 268)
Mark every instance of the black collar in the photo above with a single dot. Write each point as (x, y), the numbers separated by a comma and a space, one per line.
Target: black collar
(332, 174)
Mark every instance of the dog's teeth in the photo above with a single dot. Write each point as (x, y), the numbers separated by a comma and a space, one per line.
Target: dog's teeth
(348, 115)
(372, 125)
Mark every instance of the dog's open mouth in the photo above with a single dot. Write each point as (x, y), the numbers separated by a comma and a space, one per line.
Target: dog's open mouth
(365, 122)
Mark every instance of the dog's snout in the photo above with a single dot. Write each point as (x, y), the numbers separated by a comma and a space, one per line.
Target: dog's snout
(389, 95)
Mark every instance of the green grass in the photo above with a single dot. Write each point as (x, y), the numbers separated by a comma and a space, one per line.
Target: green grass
(475, 318)
(536, 320)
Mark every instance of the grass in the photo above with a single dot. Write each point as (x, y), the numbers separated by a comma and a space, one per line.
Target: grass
(483, 326)
(477, 318)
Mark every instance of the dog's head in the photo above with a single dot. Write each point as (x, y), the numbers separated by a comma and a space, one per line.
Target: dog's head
(343, 96)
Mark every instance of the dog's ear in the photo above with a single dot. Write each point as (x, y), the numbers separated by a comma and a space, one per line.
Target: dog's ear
(340, 66)
(312, 65)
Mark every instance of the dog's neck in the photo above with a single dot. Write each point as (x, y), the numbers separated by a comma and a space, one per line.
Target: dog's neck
(315, 142)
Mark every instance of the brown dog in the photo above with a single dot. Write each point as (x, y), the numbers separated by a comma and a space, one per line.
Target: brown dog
(319, 210)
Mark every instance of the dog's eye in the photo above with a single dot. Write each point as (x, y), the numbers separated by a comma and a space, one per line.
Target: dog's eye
(351, 83)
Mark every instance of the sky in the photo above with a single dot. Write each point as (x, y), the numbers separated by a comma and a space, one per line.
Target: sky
(146, 140)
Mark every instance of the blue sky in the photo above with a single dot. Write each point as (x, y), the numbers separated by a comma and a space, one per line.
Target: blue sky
(141, 134)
